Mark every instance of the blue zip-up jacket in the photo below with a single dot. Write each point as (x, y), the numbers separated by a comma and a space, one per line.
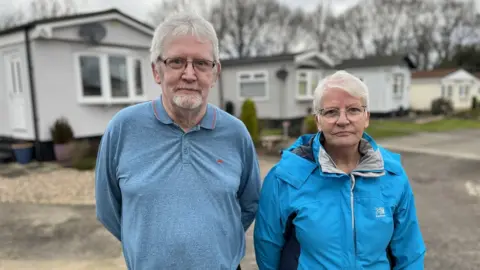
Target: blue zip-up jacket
(314, 216)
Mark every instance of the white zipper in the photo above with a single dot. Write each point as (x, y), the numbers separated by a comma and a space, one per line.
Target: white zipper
(352, 199)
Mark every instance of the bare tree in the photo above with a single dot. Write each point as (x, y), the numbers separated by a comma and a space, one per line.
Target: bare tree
(457, 26)
(351, 29)
(243, 25)
(286, 30)
(319, 24)
(37, 10)
(42, 9)
(163, 9)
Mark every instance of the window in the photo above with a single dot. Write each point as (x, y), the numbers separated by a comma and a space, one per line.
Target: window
(464, 92)
(443, 94)
(109, 77)
(398, 85)
(15, 71)
(450, 91)
(253, 85)
(90, 70)
(307, 81)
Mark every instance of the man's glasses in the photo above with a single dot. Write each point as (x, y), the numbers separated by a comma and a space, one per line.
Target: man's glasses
(200, 65)
(353, 114)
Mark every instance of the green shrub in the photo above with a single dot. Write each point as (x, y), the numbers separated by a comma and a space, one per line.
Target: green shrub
(83, 164)
(82, 158)
(249, 118)
(475, 104)
(309, 124)
(61, 131)
(441, 106)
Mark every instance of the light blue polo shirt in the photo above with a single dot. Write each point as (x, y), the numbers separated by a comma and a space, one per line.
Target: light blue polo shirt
(177, 200)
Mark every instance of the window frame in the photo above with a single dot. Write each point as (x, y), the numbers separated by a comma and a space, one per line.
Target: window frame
(106, 89)
(400, 83)
(252, 78)
(309, 78)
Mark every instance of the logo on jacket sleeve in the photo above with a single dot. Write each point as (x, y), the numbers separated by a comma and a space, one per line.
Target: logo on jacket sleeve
(379, 212)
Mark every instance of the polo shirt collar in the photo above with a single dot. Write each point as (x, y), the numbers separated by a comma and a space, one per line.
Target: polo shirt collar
(208, 120)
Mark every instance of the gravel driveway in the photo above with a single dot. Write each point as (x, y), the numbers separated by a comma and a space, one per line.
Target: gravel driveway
(55, 236)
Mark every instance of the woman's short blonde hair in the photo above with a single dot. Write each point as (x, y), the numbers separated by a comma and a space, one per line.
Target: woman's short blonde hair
(342, 80)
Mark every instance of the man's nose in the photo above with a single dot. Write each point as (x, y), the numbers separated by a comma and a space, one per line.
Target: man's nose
(189, 72)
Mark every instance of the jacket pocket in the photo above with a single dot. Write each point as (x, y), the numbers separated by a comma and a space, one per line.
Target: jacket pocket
(374, 228)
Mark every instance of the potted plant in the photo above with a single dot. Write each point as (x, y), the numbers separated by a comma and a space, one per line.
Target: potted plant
(23, 152)
(62, 137)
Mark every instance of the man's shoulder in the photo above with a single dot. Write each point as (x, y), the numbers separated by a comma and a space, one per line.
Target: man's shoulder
(128, 114)
(132, 112)
(229, 122)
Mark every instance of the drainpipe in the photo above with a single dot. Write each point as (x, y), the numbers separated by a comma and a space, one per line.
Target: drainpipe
(38, 152)
(220, 92)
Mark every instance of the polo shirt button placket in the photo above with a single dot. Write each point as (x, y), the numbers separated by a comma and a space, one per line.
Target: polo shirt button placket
(185, 149)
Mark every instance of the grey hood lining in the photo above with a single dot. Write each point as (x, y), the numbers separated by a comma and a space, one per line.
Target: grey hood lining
(370, 165)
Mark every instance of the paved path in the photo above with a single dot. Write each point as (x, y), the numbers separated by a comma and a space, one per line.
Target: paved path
(460, 144)
(447, 194)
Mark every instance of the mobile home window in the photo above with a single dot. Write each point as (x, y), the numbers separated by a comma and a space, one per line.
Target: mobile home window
(118, 76)
(138, 78)
(307, 81)
(253, 84)
(15, 71)
(449, 91)
(91, 76)
(398, 85)
(110, 77)
(463, 91)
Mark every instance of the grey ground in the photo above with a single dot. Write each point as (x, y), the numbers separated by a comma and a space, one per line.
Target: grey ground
(448, 210)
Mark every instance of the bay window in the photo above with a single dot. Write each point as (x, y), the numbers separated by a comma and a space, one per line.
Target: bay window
(109, 78)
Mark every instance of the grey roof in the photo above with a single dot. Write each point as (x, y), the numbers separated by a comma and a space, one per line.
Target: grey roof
(258, 59)
(377, 61)
(370, 61)
(70, 17)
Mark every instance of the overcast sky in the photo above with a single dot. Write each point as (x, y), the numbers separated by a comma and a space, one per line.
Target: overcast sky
(140, 8)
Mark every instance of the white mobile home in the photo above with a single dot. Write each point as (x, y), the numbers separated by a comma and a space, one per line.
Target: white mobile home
(83, 67)
(282, 85)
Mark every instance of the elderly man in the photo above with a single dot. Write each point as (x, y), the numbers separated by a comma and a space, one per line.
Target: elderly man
(177, 179)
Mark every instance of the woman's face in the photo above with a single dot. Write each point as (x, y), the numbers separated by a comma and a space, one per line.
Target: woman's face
(342, 118)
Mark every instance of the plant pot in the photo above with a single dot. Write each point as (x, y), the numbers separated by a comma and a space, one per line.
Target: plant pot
(64, 153)
(23, 152)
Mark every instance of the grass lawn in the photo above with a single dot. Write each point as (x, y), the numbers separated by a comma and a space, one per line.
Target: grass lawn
(389, 128)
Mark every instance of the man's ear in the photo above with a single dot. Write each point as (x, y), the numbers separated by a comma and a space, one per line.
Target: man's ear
(217, 75)
(156, 74)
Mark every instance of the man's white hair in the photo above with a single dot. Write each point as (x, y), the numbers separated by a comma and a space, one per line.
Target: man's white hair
(342, 80)
(179, 24)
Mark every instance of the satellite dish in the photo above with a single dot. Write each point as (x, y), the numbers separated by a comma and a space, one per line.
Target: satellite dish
(92, 33)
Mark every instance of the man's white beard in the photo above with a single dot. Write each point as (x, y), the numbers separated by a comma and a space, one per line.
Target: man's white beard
(188, 101)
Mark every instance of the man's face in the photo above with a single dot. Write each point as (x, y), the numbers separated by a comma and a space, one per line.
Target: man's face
(343, 118)
(186, 87)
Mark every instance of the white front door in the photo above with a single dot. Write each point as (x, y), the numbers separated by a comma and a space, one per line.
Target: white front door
(16, 92)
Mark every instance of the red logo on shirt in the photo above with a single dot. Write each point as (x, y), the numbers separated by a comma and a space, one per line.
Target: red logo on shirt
(219, 161)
